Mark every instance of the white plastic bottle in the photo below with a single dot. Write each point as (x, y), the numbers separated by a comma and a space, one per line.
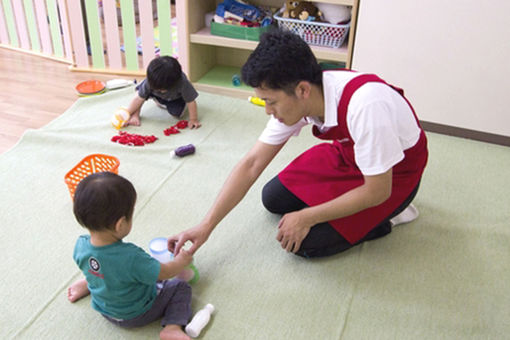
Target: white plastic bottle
(113, 84)
(199, 321)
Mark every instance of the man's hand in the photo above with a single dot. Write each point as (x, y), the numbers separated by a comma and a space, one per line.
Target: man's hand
(292, 230)
(197, 235)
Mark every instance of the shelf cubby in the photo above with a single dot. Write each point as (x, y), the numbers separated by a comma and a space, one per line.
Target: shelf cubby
(210, 61)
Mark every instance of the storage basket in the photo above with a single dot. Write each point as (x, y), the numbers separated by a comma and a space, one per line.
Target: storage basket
(315, 33)
(89, 165)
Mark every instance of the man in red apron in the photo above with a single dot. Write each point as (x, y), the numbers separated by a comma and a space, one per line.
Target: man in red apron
(353, 187)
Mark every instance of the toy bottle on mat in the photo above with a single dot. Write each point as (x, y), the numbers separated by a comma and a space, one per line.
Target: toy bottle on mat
(184, 150)
(199, 321)
(120, 117)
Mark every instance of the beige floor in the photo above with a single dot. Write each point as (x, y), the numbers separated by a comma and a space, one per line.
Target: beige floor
(33, 91)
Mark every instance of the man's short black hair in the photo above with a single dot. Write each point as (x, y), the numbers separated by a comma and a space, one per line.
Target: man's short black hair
(163, 72)
(281, 60)
(101, 199)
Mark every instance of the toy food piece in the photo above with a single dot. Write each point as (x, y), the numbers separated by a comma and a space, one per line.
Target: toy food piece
(132, 139)
(120, 117)
(174, 129)
(90, 87)
(199, 321)
(182, 124)
(184, 150)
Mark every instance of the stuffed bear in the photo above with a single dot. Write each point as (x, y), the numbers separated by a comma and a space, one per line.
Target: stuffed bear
(289, 6)
(306, 11)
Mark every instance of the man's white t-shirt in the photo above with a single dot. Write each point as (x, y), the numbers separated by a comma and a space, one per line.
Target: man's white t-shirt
(380, 121)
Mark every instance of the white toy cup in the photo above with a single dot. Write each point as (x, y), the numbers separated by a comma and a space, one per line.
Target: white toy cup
(158, 249)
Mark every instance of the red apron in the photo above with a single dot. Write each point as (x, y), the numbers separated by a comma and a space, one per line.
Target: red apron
(329, 170)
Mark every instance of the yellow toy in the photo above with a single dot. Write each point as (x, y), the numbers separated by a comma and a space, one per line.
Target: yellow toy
(257, 101)
(120, 117)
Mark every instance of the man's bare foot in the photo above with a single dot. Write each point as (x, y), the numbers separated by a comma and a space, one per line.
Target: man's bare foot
(77, 290)
(173, 332)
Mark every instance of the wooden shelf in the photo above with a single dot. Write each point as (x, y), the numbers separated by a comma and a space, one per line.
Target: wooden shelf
(210, 60)
(219, 80)
(336, 2)
(226, 91)
(204, 37)
(328, 53)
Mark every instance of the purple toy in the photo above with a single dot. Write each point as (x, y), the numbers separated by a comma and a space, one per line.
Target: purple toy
(184, 150)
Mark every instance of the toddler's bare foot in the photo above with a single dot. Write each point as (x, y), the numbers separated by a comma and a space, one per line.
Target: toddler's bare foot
(161, 106)
(173, 332)
(77, 290)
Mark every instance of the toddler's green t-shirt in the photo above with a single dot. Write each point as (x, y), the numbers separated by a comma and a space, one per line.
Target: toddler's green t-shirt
(121, 277)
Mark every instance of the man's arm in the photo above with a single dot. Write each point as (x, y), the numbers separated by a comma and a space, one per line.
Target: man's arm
(294, 226)
(242, 177)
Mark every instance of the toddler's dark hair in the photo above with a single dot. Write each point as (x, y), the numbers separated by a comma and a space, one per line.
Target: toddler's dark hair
(101, 199)
(281, 60)
(163, 72)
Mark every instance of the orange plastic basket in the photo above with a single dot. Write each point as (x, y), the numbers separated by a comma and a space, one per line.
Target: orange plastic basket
(89, 165)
